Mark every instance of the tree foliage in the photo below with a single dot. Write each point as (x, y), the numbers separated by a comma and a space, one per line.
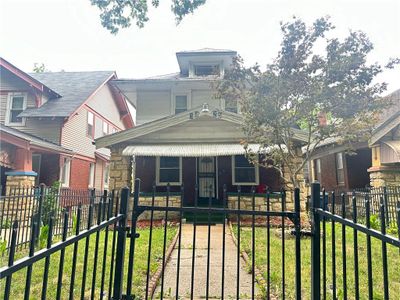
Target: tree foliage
(39, 68)
(117, 14)
(302, 85)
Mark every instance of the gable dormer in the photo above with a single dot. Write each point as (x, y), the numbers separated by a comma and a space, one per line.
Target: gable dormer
(204, 62)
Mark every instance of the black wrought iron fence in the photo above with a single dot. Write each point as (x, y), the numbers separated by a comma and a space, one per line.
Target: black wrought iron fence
(350, 255)
(79, 270)
(255, 251)
(39, 204)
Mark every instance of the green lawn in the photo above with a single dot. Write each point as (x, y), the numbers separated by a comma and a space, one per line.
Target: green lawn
(276, 265)
(140, 267)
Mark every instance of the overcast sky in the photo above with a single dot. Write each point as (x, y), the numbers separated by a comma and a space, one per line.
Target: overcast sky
(67, 34)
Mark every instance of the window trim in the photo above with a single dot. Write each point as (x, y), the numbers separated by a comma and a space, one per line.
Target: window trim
(105, 124)
(67, 161)
(316, 165)
(174, 102)
(158, 173)
(93, 125)
(340, 183)
(233, 167)
(193, 65)
(238, 110)
(8, 108)
(106, 183)
(92, 174)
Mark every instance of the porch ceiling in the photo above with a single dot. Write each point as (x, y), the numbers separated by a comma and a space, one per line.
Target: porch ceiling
(189, 150)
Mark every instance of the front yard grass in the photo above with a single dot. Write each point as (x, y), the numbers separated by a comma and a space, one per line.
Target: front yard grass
(276, 263)
(140, 267)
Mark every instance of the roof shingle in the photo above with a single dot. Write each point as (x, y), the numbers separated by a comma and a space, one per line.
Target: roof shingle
(74, 87)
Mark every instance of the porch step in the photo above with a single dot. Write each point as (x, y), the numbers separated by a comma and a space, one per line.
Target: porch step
(202, 218)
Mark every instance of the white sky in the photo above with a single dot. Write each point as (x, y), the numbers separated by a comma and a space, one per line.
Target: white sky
(67, 34)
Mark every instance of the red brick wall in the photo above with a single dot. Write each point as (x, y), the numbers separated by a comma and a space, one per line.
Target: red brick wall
(79, 177)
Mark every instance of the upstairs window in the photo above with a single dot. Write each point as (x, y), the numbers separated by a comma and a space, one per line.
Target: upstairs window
(206, 70)
(169, 170)
(16, 105)
(105, 128)
(180, 104)
(90, 125)
(244, 172)
(231, 105)
(339, 169)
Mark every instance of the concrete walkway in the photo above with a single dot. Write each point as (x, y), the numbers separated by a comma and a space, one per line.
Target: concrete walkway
(200, 273)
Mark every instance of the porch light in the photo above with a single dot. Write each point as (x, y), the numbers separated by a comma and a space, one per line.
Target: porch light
(205, 109)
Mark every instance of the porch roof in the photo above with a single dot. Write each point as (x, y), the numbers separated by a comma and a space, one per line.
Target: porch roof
(189, 150)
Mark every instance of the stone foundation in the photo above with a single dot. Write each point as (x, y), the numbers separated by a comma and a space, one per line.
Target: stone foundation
(384, 176)
(160, 201)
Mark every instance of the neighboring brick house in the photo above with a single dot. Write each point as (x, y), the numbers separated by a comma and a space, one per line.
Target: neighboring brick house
(374, 163)
(49, 122)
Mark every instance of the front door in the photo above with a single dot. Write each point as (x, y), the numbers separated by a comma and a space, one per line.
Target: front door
(206, 176)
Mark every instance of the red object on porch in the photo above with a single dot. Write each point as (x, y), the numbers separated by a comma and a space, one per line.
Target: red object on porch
(261, 188)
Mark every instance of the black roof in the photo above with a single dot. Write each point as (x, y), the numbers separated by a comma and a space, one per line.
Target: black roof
(74, 88)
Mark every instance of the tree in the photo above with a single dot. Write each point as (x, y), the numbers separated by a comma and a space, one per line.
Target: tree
(39, 68)
(300, 87)
(117, 14)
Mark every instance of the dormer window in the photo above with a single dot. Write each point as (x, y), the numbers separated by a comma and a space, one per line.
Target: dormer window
(207, 70)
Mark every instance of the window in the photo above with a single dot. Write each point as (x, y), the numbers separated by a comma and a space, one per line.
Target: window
(65, 171)
(339, 168)
(243, 172)
(90, 124)
(106, 175)
(169, 170)
(231, 105)
(16, 105)
(105, 128)
(317, 169)
(206, 70)
(91, 175)
(180, 104)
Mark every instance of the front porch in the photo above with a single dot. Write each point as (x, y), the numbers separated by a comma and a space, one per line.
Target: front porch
(204, 178)
(200, 149)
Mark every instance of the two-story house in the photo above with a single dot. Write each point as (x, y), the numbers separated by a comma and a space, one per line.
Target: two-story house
(184, 134)
(48, 123)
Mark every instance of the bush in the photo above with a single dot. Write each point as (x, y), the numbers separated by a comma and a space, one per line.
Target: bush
(50, 203)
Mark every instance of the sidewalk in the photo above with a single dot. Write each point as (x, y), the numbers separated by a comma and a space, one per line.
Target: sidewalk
(200, 273)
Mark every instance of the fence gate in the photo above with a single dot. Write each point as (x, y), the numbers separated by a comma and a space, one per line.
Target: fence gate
(204, 259)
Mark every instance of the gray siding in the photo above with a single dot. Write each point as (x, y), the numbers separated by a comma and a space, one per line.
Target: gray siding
(199, 97)
(48, 129)
(104, 104)
(210, 130)
(74, 135)
(152, 105)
